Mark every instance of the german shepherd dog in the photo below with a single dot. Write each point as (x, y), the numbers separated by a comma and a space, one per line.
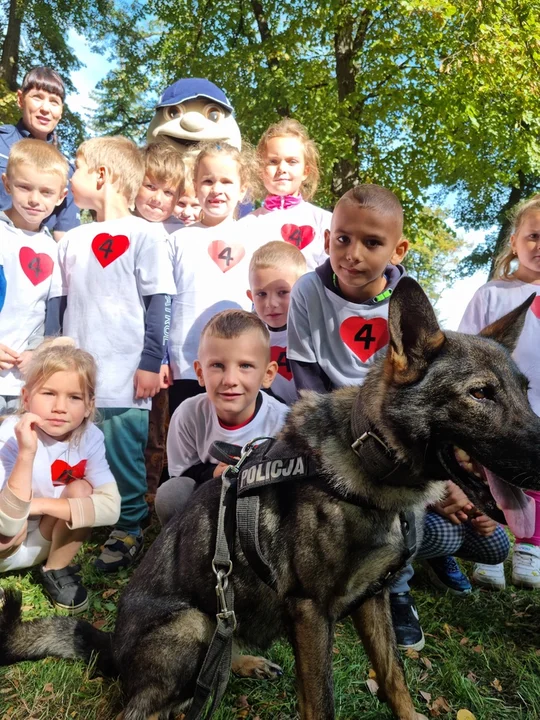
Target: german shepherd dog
(445, 405)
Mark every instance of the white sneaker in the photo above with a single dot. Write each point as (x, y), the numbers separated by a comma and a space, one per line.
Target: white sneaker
(526, 566)
(489, 576)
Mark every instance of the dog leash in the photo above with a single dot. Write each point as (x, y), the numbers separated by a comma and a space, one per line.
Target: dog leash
(215, 671)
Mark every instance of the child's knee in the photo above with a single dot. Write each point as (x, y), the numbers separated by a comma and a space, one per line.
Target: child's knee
(172, 496)
(8, 545)
(78, 488)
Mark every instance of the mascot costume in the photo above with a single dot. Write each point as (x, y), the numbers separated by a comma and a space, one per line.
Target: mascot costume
(193, 110)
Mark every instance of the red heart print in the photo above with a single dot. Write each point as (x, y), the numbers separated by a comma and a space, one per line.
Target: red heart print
(279, 355)
(225, 255)
(364, 336)
(108, 248)
(299, 236)
(535, 307)
(36, 266)
(63, 474)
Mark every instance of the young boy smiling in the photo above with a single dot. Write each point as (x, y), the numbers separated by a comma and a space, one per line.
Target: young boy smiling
(233, 364)
(36, 182)
(338, 314)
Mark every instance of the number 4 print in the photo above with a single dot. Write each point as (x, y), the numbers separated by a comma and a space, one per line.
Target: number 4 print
(108, 248)
(36, 266)
(364, 336)
(225, 255)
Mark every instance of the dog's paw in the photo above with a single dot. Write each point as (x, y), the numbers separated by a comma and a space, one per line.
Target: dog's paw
(255, 667)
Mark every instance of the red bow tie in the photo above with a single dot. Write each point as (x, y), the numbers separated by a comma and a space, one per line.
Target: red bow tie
(282, 202)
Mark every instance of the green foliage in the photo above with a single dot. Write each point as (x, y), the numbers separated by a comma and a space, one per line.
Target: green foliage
(9, 112)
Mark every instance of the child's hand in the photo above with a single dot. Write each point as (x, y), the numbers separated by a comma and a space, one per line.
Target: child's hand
(146, 384)
(24, 361)
(25, 432)
(484, 525)
(165, 376)
(455, 505)
(218, 472)
(8, 357)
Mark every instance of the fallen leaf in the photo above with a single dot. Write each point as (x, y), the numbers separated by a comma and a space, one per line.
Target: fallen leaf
(423, 676)
(372, 674)
(427, 662)
(472, 677)
(413, 654)
(426, 696)
(464, 641)
(440, 704)
(447, 629)
(335, 651)
(372, 685)
(98, 624)
(478, 649)
(109, 593)
(242, 701)
(465, 715)
(537, 652)
(496, 684)
(48, 687)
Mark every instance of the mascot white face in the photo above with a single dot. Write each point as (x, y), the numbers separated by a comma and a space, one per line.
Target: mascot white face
(193, 110)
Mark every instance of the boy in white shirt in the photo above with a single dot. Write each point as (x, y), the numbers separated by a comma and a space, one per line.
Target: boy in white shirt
(36, 179)
(233, 364)
(116, 275)
(273, 271)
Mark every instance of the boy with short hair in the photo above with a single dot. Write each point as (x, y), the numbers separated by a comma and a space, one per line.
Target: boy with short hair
(116, 275)
(233, 364)
(155, 202)
(337, 328)
(273, 271)
(36, 182)
(161, 186)
(338, 313)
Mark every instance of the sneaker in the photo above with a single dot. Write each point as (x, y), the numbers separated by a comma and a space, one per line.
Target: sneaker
(489, 576)
(65, 589)
(409, 634)
(445, 574)
(526, 566)
(120, 550)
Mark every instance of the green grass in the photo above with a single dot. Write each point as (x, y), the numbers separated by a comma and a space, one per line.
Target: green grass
(482, 653)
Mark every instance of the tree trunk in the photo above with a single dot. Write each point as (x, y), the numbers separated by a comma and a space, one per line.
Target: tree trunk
(9, 63)
(349, 38)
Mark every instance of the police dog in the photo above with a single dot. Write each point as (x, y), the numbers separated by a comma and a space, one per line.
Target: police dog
(438, 405)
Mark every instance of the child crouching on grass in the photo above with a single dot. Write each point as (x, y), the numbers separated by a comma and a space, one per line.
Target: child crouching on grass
(233, 365)
(54, 478)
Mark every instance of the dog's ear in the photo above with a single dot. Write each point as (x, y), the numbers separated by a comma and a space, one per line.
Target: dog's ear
(415, 335)
(507, 329)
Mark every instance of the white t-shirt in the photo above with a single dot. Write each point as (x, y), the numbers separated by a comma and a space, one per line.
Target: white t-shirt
(107, 270)
(342, 337)
(56, 463)
(211, 271)
(302, 225)
(30, 262)
(283, 385)
(491, 302)
(195, 426)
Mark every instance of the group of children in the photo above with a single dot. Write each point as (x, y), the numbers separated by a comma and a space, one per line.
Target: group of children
(167, 306)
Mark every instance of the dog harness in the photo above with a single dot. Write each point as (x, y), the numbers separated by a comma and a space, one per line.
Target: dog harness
(260, 463)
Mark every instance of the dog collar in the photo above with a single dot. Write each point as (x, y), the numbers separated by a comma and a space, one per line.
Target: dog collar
(372, 451)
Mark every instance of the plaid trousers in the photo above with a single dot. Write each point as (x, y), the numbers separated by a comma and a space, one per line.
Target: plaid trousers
(441, 538)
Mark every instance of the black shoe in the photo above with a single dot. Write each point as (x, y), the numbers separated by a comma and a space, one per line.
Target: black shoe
(65, 589)
(409, 634)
